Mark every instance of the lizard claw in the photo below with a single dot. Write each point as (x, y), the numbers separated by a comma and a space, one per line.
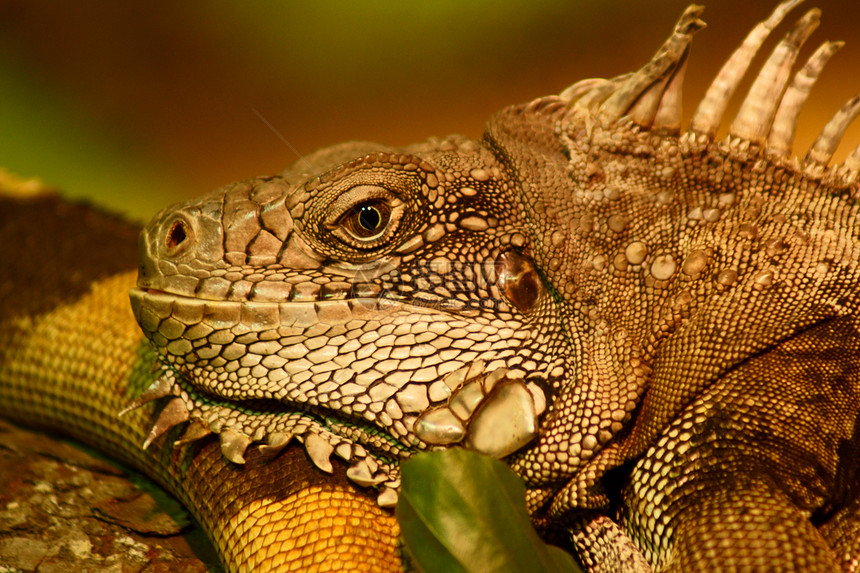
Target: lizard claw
(319, 450)
(196, 430)
(158, 389)
(233, 445)
(173, 414)
(275, 443)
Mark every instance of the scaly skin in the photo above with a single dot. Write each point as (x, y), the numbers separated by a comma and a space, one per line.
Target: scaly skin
(72, 357)
(658, 331)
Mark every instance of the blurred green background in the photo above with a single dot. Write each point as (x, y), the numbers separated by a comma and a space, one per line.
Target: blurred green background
(136, 104)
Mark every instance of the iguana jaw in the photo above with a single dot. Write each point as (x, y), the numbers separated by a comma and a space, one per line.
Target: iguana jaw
(373, 456)
(224, 394)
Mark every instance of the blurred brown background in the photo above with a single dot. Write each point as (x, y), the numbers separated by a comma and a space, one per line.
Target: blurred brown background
(136, 104)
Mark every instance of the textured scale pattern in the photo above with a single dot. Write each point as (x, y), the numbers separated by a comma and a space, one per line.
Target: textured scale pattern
(655, 328)
(72, 356)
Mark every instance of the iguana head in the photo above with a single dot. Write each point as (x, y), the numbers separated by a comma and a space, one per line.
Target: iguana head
(369, 302)
(554, 293)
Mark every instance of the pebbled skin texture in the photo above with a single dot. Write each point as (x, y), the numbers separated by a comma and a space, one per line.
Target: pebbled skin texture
(656, 329)
(71, 357)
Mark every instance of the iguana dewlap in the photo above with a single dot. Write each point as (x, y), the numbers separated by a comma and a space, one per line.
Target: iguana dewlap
(656, 329)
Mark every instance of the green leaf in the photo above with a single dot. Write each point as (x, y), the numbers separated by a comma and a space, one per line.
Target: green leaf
(463, 512)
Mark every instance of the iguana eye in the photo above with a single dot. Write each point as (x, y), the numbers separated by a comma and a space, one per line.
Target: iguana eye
(367, 221)
(365, 217)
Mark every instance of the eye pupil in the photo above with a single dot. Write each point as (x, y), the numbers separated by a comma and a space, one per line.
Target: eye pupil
(368, 223)
(368, 220)
(369, 217)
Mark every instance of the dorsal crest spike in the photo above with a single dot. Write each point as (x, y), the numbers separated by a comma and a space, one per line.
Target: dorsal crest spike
(658, 70)
(644, 111)
(852, 166)
(591, 99)
(708, 115)
(580, 88)
(782, 132)
(669, 112)
(825, 145)
(755, 117)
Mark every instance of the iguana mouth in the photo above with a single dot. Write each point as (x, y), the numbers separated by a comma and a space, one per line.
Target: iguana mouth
(263, 416)
(337, 377)
(271, 426)
(367, 295)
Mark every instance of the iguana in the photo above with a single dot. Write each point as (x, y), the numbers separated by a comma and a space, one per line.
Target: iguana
(654, 328)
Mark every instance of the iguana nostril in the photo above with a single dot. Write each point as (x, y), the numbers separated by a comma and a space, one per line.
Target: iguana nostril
(176, 236)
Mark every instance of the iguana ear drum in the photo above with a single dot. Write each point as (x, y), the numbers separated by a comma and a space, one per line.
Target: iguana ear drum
(518, 280)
